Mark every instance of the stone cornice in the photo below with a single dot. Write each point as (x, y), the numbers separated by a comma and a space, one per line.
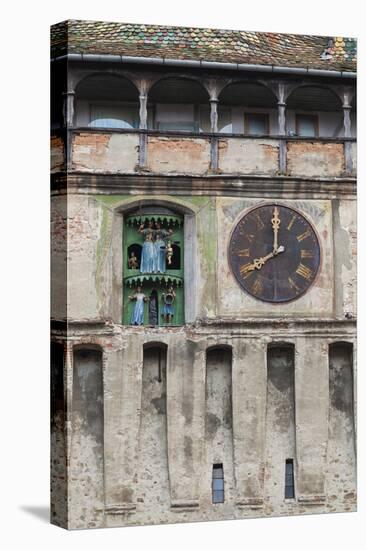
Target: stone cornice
(213, 184)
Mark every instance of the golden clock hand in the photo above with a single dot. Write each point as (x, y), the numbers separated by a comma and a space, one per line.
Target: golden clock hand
(258, 263)
(275, 225)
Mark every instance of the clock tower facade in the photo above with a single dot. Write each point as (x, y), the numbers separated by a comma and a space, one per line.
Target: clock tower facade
(204, 278)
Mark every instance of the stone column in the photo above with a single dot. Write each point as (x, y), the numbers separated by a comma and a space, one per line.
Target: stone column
(214, 129)
(68, 115)
(69, 108)
(311, 416)
(281, 106)
(185, 421)
(143, 126)
(347, 131)
(214, 115)
(122, 405)
(143, 111)
(249, 411)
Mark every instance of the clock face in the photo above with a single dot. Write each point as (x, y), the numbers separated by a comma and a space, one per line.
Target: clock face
(274, 253)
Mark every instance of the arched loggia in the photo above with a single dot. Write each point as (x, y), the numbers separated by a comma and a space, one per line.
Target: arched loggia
(179, 104)
(247, 107)
(107, 101)
(314, 111)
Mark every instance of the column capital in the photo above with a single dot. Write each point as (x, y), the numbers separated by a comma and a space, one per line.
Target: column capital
(69, 93)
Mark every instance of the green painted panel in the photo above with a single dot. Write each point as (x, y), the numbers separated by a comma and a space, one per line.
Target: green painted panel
(132, 245)
(178, 305)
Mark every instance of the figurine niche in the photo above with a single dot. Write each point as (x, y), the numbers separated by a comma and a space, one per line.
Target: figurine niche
(148, 261)
(169, 252)
(168, 309)
(155, 249)
(137, 317)
(133, 261)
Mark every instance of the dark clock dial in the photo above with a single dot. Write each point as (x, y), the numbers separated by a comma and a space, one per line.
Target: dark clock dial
(274, 253)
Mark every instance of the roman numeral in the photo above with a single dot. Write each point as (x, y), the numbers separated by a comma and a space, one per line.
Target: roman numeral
(293, 284)
(244, 252)
(304, 235)
(257, 286)
(260, 223)
(246, 270)
(291, 222)
(304, 271)
(307, 254)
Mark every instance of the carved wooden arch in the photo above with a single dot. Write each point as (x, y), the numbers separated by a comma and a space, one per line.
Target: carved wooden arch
(80, 75)
(248, 80)
(329, 87)
(177, 76)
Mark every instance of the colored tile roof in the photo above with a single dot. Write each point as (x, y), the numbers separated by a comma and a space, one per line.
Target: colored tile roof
(230, 46)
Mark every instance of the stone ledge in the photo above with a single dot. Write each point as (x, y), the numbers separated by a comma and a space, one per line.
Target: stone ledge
(116, 509)
(312, 500)
(184, 505)
(252, 503)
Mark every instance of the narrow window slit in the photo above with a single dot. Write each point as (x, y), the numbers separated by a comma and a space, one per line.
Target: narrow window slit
(217, 484)
(289, 479)
(159, 366)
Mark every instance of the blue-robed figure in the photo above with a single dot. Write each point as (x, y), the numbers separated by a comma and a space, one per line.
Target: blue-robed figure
(154, 251)
(160, 248)
(137, 317)
(148, 254)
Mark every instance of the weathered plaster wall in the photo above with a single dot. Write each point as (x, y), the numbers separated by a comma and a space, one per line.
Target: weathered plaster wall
(312, 415)
(59, 235)
(249, 156)
(57, 154)
(353, 148)
(178, 155)
(152, 475)
(280, 424)
(86, 483)
(89, 244)
(341, 480)
(315, 159)
(107, 153)
(58, 438)
(162, 438)
(118, 153)
(345, 256)
(218, 447)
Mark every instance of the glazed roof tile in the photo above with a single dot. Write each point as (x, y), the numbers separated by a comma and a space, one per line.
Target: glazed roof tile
(190, 43)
